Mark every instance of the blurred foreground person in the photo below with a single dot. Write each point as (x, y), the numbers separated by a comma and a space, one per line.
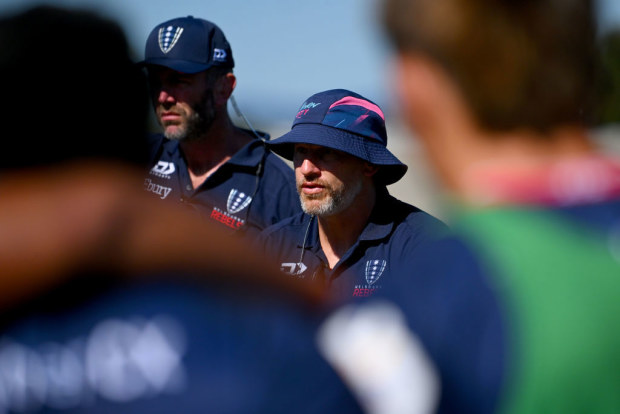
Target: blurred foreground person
(498, 92)
(112, 302)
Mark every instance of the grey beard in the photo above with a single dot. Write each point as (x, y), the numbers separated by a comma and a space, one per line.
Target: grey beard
(336, 202)
(325, 209)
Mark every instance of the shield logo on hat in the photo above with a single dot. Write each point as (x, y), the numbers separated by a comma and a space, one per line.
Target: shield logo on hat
(168, 37)
(374, 270)
(237, 201)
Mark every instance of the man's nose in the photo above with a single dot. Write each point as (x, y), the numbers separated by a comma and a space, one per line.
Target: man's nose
(308, 167)
(165, 96)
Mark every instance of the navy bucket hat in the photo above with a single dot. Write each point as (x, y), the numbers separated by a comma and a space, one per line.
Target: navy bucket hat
(347, 122)
(188, 45)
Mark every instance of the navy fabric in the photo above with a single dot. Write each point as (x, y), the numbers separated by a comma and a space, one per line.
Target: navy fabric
(454, 310)
(167, 347)
(345, 121)
(603, 217)
(234, 195)
(188, 45)
(437, 282)
(396, 231)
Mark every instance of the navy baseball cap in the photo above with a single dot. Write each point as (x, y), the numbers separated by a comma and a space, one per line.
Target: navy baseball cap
(347, 122)
(188, 45)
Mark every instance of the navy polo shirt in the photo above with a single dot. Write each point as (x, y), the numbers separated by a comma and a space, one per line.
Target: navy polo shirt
(249, 192)
(395, 231)
(457, 314)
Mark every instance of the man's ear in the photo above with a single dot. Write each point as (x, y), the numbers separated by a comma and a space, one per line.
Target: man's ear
(223, 88)
(370, 169)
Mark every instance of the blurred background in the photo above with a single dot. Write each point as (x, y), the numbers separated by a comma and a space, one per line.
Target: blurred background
(287, 50)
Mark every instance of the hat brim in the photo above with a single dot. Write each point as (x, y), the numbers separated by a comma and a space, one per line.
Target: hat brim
(182, 66)
(392, 169)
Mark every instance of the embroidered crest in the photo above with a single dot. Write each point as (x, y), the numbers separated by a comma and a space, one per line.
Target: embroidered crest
(374, 270)
(237, 201)
(168, 37)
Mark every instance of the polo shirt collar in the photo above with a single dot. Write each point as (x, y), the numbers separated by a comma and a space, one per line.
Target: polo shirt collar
(381, 221)
(309, 233)
(250, 155)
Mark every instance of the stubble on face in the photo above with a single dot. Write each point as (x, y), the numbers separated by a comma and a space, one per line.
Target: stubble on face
(194, 122)
(333, 199)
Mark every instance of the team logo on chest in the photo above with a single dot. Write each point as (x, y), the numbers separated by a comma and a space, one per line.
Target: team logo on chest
(374, 270)
(168, 37)
(237, 201)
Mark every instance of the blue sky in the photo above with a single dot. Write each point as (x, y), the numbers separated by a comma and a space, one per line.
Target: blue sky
(285, 50)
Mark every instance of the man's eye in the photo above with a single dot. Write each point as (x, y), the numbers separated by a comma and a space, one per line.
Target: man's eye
(327, 154)
(177, 80)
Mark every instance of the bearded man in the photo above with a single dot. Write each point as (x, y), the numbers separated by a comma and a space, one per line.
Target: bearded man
(202, 158)
(352, 232)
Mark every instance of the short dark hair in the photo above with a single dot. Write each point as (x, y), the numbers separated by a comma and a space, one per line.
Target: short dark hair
(74, 91)
(518, 63)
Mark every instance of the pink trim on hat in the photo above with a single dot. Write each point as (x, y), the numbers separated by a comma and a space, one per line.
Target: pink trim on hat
(350, 100)
(360, 119)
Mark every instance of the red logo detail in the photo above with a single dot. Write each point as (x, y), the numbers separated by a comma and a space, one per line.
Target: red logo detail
(230, 221)
(363, 293)
(301, 113)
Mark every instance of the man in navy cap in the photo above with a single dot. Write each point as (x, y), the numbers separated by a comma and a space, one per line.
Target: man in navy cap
(351, 233)
(202, 158)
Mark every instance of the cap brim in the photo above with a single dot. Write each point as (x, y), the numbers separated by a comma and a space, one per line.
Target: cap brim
(392, 169)
(182, 66)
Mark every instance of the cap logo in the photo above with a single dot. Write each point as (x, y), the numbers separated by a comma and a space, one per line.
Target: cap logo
(374, 270)
(219, 54)
(305, 108)
(168, 37)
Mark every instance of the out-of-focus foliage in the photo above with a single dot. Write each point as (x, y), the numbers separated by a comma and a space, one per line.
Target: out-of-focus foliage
(608, 82)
